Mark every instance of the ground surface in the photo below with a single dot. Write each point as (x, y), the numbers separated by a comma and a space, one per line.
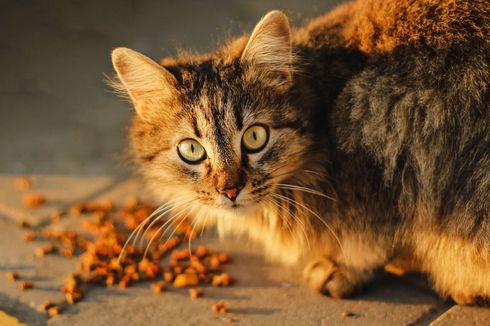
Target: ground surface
(59, 121)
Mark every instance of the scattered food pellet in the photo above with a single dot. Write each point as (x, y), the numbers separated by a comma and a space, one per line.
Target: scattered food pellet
(158, 287)
(44, 250)
(219, 307)
(186, 279)
(29, 235)
(22, 183)
(12, 276)
(54, 311)
(345, 314)
(56, 216)
(221, 280)
(26, 285)
(33, 200)
(195, 293)
(45, 306)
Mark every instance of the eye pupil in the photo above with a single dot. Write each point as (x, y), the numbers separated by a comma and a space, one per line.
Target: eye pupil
(192, 148)
(254, 135)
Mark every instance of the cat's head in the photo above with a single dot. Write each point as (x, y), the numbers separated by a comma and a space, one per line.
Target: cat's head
(219, 131)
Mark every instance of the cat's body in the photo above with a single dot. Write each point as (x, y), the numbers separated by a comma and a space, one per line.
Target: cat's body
(378, 140)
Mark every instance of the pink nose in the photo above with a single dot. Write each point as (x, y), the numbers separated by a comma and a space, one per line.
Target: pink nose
(231, 193)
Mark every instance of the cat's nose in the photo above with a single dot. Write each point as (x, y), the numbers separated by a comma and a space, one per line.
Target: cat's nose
(231, 192)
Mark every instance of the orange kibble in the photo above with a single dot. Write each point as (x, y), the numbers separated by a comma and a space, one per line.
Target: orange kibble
(219, 307)
(56, 216)
(168, 276)
(22, 183)
(201, 251)
(221, 280)
(73, 297)
(345, 314)
(223, 258)
(12, 276)
(29, 236)
(158, 287)
(45, 306)
(26, 285)
(182, 280)
(33, 200)
(54, 311)
(44, 250)
(195, 293)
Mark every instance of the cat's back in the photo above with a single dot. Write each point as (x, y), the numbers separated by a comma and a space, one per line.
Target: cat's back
(383, 25)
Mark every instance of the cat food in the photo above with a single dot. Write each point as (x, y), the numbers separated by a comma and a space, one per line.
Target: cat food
(45, 250)
(186, 279)
(29, 235)
(158, 287)
(102, 261)
(12, 276)
(219, 307)
(22, 183)
(45, 306)
(26, 285)
(33, 200)
(195, 293)
(345, 314)
(221, 280)
(54, 311)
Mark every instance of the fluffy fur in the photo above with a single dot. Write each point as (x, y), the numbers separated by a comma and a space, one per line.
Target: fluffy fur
(379, 122)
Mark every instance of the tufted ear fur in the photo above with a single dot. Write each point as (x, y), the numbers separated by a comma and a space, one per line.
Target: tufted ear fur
(268, 52)
(148, 84)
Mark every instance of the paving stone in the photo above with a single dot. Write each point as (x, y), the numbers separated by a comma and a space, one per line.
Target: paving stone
(464, 315)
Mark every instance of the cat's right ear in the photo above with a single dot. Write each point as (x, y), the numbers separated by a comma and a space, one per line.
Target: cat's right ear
(149, 86)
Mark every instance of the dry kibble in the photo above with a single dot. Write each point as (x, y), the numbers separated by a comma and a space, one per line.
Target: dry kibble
(158, 287)
(195, 293)
(23, 183)
(46, 249)
(186, 279)
(29, 235)
(33, 200)
(12, 276)
(219, 307)
(221, 280)
(45, 306)
(26, 285)
(103, 262)
(54, 311)
(345, 314)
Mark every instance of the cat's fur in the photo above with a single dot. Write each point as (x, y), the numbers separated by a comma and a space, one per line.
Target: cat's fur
(382, 107)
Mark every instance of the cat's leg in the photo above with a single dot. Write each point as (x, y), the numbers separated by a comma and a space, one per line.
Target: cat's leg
(458, 268)
(342, 272)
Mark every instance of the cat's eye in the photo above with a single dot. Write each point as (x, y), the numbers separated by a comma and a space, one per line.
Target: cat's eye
(255, 138)
(190, 151)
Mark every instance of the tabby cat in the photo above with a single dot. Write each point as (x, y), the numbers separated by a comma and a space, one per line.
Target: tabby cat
(340, 145)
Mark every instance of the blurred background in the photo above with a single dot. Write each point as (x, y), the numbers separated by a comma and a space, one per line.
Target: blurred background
(57, 116)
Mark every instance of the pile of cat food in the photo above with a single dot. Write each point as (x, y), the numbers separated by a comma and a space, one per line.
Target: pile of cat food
(106, 260)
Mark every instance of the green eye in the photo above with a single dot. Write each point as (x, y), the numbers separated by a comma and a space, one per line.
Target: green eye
(190, 151)
(255, 138)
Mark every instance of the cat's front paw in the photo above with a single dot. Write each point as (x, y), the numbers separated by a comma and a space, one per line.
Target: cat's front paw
(326, 277)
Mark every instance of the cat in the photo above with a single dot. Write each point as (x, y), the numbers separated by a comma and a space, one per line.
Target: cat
(340, 145)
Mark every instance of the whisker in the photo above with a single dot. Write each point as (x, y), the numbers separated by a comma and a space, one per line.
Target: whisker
(297, 219)
(318, 217)
(303, 189)
(170, 207)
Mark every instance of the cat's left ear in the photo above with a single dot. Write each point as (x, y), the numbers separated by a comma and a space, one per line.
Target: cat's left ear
(268, 52)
